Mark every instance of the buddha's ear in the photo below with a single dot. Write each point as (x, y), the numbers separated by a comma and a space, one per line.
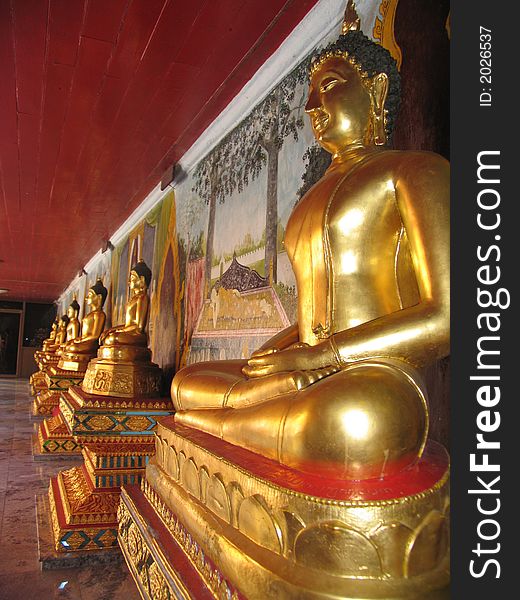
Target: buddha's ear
(379, 90)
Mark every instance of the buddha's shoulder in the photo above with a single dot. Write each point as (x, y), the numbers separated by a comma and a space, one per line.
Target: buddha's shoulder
(405, 162)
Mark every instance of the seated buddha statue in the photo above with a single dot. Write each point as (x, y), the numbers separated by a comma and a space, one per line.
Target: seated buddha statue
(123, 366)
(129, 342)
(81, 348)
(48, 342)
(339, 393)
(73, 326)
(61, 335)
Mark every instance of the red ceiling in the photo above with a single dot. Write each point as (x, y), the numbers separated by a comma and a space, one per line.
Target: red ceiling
(97, 99)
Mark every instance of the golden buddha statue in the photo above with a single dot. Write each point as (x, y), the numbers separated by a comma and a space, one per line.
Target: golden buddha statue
(305, 471)
(123, 365)
(129, 341)
(74, 325)
(339, 391)
(42, 357)
(48, 342)
(60, 337)
(79, 349)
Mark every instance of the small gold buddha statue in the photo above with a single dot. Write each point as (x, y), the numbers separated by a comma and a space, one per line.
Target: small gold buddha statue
(129, 341)
(338, 393)
(123, 365)
(48, 342)
(73, 326)
(42, 357)
(60, 337)
(81, 348)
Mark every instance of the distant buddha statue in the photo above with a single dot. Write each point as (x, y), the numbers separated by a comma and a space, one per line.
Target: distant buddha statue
(48, 342)
(123, 365)
(61, 335)
(74, 325)
(338, 393)
(130, 341)
(81, 348)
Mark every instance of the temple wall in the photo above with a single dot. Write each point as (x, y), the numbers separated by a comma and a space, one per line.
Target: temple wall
(223, 298)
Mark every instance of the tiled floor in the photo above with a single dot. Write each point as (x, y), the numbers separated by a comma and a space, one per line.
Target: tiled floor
(20, 479)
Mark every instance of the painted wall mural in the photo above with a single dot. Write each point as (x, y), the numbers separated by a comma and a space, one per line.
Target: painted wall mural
(242, 193)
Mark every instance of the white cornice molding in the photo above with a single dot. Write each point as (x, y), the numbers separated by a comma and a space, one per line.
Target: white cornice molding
(322, 20)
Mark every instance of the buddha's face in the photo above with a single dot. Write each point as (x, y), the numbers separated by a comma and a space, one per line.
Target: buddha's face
(338, 105)
(71, 313)
(93, 299)
(136, 282)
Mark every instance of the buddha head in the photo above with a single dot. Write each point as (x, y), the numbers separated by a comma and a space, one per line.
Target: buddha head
(96, 295)
(73, 310)
(64, 321)
(353, 94)
(140, 277)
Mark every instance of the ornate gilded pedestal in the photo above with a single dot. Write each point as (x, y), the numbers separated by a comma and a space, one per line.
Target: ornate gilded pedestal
(112, 416)
(53, 437)
(37, 381)
(116, 436)
(57, 380)
(211, 516)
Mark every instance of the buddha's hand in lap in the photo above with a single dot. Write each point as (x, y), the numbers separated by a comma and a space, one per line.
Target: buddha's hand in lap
(298, 357)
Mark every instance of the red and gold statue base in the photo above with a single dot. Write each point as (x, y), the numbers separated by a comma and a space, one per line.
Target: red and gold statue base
(53, 437)
(38, 381)
(220, 519)
(57, 380)
(43, 360)
(115, 434)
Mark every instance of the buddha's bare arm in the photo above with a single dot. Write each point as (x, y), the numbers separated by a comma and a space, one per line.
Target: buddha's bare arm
(418, 334)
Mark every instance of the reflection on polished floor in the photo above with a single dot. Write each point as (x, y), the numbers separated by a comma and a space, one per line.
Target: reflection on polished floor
(20, 479)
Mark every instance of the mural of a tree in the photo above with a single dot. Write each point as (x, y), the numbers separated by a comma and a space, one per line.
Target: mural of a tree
(215, 179)
(242, 154)
(317, 161)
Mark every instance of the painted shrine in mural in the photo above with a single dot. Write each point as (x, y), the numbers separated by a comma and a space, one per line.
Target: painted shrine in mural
(241, 313)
